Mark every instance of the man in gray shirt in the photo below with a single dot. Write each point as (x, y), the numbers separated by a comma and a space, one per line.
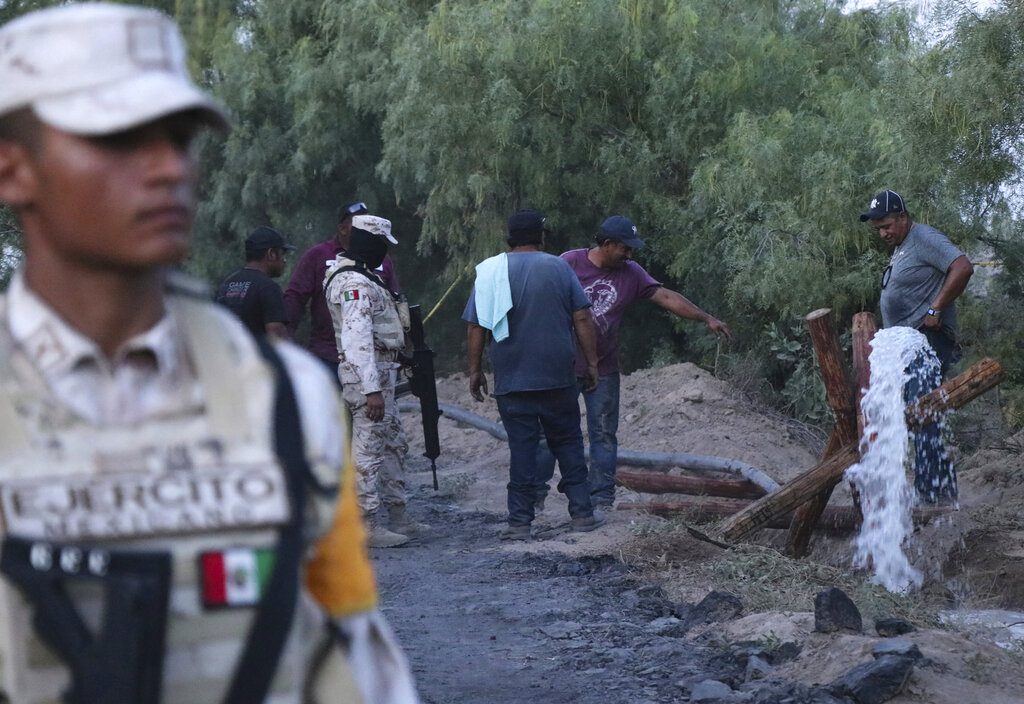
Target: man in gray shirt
(926, 274)
(532, 309)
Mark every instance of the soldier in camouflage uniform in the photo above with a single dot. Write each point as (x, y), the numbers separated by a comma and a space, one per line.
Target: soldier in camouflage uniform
(157, 502)
(370, 333)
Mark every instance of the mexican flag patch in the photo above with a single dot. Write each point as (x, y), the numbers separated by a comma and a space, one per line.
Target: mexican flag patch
(235, 577)
(352, 295)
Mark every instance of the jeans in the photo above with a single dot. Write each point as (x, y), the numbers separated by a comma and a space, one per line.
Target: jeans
(525, 414)
(934, 475)
(602, 426)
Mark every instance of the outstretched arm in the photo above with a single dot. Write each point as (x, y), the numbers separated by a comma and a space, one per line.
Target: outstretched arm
(678, 304)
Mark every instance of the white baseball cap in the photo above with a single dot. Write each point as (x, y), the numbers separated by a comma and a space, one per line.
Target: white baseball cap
(374, 225)
(96, 69)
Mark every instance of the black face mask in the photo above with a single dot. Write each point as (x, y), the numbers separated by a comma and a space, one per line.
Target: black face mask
(367, 248)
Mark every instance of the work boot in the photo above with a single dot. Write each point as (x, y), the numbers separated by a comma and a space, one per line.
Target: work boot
(511, 532)
(381, 537)
(399, 522)
(538, 504)
(588, 523)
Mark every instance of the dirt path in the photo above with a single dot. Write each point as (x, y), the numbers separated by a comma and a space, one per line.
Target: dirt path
(485, 622)
(562, 620)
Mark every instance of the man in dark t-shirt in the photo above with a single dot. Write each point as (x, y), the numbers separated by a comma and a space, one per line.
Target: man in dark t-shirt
(250, 293)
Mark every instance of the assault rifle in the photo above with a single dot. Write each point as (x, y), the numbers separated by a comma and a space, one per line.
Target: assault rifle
(424, 387)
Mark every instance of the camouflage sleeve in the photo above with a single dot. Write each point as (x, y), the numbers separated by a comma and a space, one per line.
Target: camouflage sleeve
(351, 300)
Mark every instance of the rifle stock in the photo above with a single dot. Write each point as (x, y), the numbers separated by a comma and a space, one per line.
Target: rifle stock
(424, 387)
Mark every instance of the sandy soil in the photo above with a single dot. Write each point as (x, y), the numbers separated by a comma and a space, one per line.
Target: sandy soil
(974, 558)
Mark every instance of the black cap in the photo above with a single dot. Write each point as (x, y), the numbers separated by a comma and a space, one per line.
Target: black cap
(527, 220)
(264, 237)
(621, 228)
(357, 207)
(884, 203)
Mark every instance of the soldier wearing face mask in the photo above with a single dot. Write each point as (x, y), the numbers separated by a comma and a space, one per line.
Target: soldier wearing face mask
(370, 334)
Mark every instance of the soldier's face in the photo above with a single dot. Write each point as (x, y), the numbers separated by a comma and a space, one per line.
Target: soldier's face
(123, 201)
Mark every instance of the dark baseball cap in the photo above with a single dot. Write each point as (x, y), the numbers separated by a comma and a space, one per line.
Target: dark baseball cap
(884, 203)
(357, 207)
(264, 237)
(527, 220)
(621, 228)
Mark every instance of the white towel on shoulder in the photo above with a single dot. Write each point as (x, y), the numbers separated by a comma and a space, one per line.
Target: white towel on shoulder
(493, 295)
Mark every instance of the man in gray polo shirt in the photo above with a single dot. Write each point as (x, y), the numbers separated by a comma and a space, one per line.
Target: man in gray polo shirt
(926, 274)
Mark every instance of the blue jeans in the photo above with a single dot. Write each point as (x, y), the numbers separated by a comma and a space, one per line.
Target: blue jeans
(525, 414)
(934, 475)
(602, 426)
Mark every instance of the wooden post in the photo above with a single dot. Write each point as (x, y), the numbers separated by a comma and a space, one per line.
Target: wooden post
(840, 396)
(864, 329)
(658, 483)
(954, 394)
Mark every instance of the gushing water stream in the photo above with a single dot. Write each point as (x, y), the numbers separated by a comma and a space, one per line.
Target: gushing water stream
(886, 495)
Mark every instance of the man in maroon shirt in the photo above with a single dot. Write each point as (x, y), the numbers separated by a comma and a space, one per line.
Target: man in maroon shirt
(612, 282)
(307, 286)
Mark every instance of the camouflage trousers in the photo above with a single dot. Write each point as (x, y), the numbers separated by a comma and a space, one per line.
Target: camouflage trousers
(378, 448)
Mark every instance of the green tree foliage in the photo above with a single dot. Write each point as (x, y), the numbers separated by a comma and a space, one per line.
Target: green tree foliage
(967, 105)
(298, 149)
(743, 136)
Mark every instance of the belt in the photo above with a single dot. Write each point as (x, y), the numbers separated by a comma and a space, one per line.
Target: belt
(378, 356)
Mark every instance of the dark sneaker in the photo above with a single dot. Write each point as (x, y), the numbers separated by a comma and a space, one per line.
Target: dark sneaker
(515, 533)
(585, 525)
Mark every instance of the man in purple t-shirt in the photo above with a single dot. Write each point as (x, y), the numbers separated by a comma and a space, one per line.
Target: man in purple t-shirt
(307, 286)
(612, 281)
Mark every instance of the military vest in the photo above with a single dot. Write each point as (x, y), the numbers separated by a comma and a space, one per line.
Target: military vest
(388, 331)
(203, 486)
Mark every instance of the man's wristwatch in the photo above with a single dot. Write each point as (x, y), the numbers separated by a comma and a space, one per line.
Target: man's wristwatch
(934, 311)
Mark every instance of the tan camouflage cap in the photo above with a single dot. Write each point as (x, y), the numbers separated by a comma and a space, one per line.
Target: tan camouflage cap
(96, 68)
(374, 225)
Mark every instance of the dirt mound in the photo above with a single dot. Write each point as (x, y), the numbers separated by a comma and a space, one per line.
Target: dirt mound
(678, 408)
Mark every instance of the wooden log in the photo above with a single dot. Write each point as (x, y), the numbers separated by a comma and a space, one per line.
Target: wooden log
(840, 396)
(697, 463)
(835, 519)
(657, 483)
(953, 394)
(834, 375)
(864, 329)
